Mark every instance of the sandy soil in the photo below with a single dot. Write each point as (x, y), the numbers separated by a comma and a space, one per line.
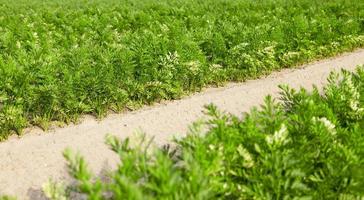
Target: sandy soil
(28, 162)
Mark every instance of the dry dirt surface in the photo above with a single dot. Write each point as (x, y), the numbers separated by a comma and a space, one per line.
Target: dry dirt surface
(29, 161)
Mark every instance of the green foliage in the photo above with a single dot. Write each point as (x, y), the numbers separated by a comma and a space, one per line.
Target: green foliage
(55, 191)
(7, 198)
(309, 145)
(61, 59)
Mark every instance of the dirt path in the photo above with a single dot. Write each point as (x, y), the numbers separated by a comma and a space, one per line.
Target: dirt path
(28, 162)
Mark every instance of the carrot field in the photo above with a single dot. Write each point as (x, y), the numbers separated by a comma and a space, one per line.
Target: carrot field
(62, 59)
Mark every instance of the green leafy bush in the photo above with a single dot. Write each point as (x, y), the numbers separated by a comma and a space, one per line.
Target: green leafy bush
(309, 145)
(61, 59)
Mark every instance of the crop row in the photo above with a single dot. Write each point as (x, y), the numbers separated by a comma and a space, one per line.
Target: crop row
(61, 59)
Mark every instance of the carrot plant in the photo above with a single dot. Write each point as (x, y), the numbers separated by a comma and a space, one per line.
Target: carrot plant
(308, 145)
(61, 59)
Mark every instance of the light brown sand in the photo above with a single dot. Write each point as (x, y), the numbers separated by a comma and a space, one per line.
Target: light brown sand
(28, 162)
